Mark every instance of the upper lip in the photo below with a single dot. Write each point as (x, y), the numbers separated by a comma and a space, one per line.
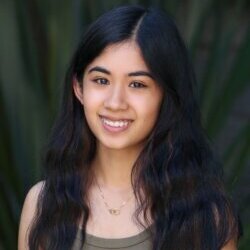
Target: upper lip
(115, 118)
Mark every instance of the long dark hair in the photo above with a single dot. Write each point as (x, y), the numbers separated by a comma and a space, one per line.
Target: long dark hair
(176, 169)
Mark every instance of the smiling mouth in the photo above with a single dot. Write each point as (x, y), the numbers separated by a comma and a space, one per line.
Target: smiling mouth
(119, 124)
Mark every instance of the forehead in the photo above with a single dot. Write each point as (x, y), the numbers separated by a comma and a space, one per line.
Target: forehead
(125, 56)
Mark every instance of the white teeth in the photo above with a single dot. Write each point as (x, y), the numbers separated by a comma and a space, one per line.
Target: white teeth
(115, 124)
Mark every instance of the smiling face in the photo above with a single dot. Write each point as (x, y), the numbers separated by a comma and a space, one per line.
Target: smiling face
(121, 99)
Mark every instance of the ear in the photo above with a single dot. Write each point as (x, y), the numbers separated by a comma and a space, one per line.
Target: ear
(78, 90)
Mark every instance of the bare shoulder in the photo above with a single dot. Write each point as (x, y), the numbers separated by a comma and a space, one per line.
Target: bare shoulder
(232, 242)
(230, 245)
(29, 206)
(28, 213)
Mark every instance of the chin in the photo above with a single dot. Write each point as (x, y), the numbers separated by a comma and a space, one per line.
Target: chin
(121, 145)
(115, 146)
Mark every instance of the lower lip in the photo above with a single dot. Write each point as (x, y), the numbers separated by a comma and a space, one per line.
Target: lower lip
(114, 129)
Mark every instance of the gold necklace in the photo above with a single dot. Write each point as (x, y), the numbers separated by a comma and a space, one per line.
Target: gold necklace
(112, 211)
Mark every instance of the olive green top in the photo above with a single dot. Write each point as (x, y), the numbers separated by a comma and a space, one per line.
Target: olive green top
(141, 241)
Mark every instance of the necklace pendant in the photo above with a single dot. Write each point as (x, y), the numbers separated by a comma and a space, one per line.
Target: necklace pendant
(114, 211)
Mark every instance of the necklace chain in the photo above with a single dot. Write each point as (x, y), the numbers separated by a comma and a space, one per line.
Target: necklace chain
(112, 211)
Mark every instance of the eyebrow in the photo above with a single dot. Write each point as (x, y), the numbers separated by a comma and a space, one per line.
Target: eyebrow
(99, 69)
(136, 73)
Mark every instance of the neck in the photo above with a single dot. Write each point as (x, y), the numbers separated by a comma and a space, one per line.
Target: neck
(113, 168)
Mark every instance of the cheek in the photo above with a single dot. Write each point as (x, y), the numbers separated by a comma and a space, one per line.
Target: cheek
(148, 107)
(91, 98)
(152, 114)
(90, 104)
(149, 113)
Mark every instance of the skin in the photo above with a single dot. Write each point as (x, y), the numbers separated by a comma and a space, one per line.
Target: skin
(118, 86)
(114, 93)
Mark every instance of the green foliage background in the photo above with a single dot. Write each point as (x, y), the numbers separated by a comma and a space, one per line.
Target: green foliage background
(37, 39)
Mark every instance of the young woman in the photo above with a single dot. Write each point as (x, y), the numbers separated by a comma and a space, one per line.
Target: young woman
(128, 164)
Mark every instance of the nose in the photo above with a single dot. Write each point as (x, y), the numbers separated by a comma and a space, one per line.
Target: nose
(116, 99)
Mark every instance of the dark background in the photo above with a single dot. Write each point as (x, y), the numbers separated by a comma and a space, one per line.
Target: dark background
(37, 38)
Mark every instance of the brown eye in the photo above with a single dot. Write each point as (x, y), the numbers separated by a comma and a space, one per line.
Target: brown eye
(137, 85)
(101, 81)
